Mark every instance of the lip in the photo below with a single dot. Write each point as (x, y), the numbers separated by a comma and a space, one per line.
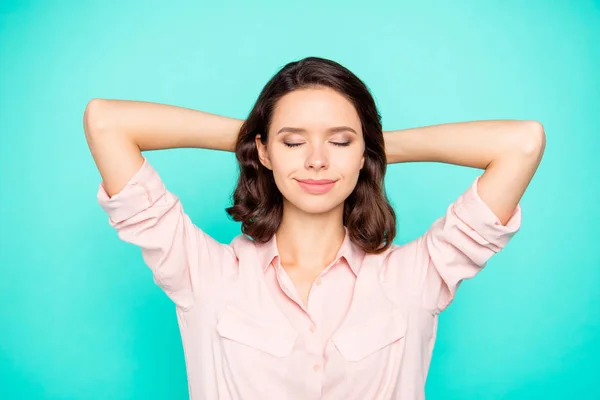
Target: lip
(318, 186)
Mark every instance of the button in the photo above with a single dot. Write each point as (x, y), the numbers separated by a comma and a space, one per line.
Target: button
(316, 367)
(312, 328)
(318, 282)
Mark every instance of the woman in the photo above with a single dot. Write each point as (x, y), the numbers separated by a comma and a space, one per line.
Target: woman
(313, 300)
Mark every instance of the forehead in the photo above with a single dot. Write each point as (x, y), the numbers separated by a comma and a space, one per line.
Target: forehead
(315, 108)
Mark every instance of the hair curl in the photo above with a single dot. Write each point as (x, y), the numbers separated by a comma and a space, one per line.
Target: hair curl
(258, 203)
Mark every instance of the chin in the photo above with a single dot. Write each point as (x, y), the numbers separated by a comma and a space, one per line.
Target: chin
(318, 204)
(318, 208)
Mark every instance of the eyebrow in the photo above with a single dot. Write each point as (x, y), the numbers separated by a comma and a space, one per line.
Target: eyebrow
(335, 129)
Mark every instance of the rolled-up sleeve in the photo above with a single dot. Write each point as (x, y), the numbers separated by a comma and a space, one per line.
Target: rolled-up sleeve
(458, 245)
(149, 216)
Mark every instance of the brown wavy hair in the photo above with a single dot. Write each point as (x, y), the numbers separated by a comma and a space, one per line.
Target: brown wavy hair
(258, 203)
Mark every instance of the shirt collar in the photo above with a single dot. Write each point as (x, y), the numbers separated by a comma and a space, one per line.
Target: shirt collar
(352, 253)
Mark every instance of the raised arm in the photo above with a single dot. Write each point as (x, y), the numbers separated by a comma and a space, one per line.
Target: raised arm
(508, 150)
(184, 260)
(117, 131)
(485, 216)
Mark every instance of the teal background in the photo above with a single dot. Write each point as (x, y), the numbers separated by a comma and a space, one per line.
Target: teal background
(80, 317)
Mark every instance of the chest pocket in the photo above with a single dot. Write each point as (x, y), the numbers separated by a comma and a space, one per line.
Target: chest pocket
(240, 327)
(360, 340)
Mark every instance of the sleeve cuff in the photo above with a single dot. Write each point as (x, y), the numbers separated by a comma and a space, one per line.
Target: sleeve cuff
(140, 192)
(475, 213)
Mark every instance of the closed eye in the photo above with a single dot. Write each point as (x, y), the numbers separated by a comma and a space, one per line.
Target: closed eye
(340, 144)
(292, 144)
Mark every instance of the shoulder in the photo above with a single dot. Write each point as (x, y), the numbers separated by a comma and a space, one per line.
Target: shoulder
(241, 241)
(398, 258)
(405, 250)
(244, 247)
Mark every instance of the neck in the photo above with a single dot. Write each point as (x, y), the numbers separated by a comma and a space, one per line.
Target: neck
(309, 241)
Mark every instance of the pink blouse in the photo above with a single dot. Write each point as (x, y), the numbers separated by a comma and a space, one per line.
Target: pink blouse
(367, 331)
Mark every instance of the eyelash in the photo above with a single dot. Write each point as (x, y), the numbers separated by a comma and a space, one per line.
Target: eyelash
(343, 144)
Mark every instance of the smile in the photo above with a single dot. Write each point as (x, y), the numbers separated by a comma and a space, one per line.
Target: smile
(316, 186)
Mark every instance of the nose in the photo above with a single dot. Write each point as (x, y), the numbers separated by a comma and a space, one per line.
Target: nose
(317, 158)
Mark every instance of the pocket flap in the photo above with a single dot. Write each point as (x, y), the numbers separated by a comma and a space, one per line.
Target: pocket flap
(357, 341)
(240, 327)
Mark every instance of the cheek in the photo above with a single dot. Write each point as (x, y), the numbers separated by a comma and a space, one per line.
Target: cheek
(348, 165)
(282, 167)
(283, 164)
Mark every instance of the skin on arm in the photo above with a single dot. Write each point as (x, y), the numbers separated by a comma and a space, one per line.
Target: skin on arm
(118, 131)
(509, 151)
(180, 255)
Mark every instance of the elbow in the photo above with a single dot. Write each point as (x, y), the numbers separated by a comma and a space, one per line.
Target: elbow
(94, 120)
(533, 139)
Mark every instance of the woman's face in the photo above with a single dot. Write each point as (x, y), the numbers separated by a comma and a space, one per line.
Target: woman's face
(315, 149)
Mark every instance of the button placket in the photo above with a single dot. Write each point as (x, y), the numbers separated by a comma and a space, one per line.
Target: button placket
(313, 340)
